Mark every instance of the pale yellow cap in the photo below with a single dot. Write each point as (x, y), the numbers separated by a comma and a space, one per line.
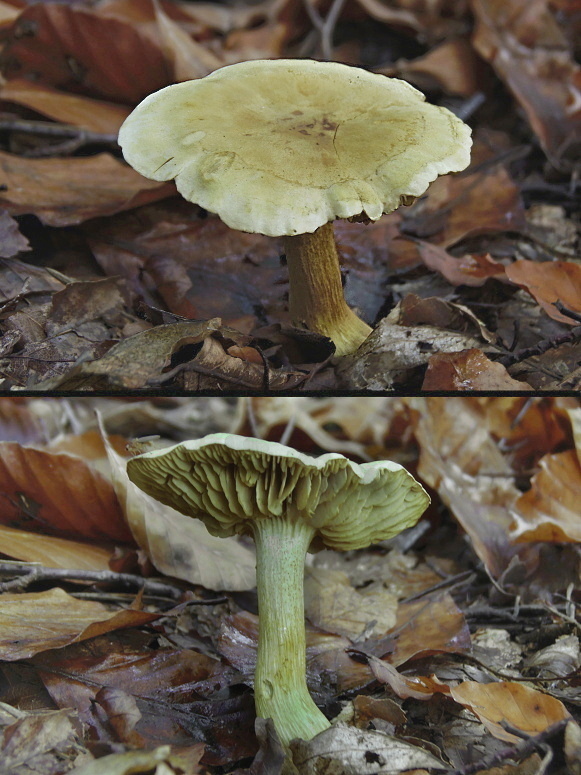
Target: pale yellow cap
(280, 147)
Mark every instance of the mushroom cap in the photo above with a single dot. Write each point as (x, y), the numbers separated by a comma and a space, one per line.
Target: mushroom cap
(282, 146)
(229, 482)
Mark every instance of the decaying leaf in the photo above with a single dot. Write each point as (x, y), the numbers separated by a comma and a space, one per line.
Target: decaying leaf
(354, 751)
(527, 709)
(33, 622)
(95, 185)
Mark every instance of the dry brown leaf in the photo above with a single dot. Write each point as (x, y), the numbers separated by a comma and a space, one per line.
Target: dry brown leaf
(62, 192)
(419, 687)
(333, 605)
(391, 351)
(461, 459)
(32, 622)
(189, 58)
(178, 545)
(59, 493)
(520, 706)
(473, 270)
(452, 66)
(530, 53)
(38, 743)
(469, 370)
(12, 242)
(549, 511)
(483, 202)
(549, 282)
(62, 45)
(53, 552)
(138, 361)
(73, 109)
(429, 626)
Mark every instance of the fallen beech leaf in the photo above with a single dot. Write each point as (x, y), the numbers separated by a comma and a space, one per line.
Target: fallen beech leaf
(130, 763)
(549, 511)
(53, 552)
(333, 605)
(189, 58)
(468, 370)
(62, 45)
(548, 282)
(172, 688)
(353, 751)
(431, 626)
(520, 706)
(32, 622)
(73, 109)
(178, 545)
(391, 351)
(219, 370)
(84, 301)
(59, 493)
(39, 743)
(137, 361)
(457, 454)
(12, 242)
(483, 202)
(452, 66)
(531, 54)
(419, 687)
(62, 192)
(473, 270)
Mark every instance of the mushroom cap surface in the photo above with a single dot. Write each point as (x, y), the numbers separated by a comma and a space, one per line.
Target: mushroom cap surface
(283, 146)
(230, 481)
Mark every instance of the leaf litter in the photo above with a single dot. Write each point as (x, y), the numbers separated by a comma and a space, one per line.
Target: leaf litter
(500, 239)
(451, 648)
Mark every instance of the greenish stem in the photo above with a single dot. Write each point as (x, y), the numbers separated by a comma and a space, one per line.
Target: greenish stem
(280, 686)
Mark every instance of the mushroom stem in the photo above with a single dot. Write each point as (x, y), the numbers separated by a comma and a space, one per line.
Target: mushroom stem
(280, 686)
(316, 298)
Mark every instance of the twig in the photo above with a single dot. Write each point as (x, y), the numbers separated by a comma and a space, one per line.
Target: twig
(520, 750)
(325, 27)
(30, 574)
(541, 347)
(77, 136)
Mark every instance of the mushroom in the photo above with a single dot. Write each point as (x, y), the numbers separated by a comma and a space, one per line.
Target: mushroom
(290, 503)
(283, 147)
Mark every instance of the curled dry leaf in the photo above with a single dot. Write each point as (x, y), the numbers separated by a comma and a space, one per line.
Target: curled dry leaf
(58, 493)
(549, 511)
(418, 687)
(527, 709)
(469, 370)
(95, 185)
(548, 282)
(177, 545)
(33, 622)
